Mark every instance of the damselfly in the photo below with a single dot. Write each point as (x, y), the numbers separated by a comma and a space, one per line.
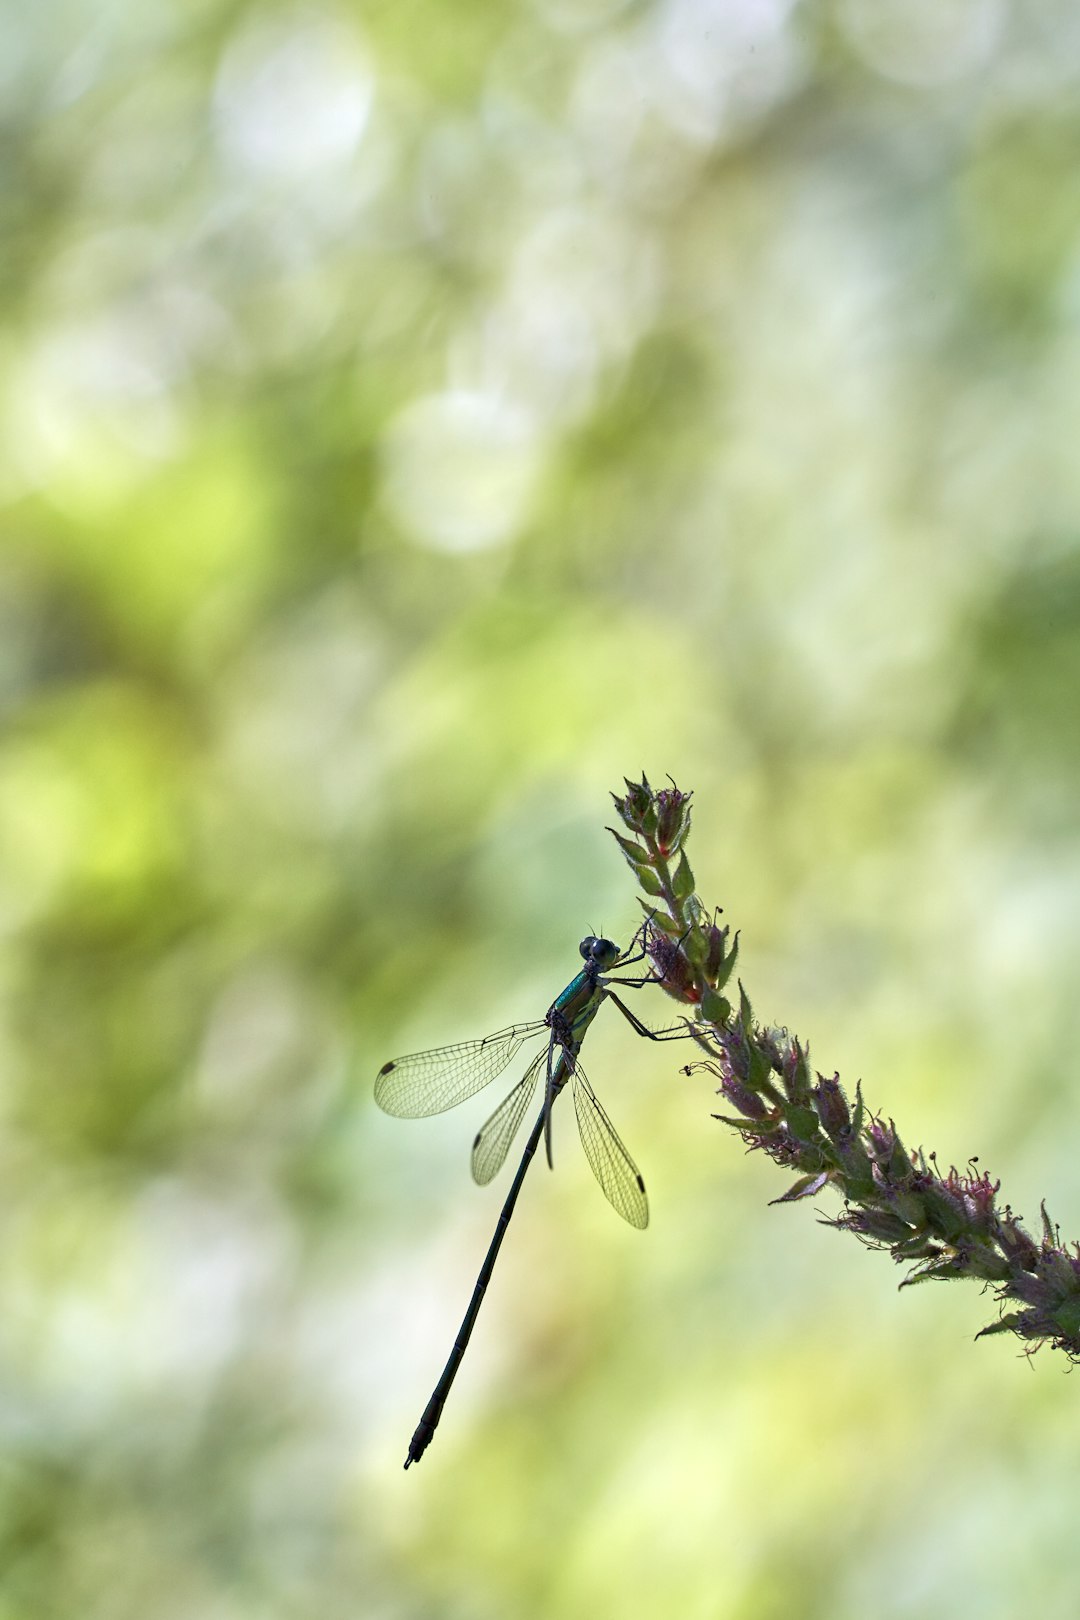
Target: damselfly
(429, 1082)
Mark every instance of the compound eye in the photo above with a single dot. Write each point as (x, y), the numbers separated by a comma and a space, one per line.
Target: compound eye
(586, 948)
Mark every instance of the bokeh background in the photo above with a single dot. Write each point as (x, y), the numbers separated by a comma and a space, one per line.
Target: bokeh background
(415, 417)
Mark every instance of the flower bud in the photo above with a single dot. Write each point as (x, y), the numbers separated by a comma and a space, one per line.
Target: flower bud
(978, 1260)
(746, 1101)
(736, 1050)
(672, 968)
(975, 1192)
(796, 1074)
(832, 1108)
(672, 820)
(944, 1211)
(638, 809)
(881, 1224)
(714, 956)
(1019, 1245)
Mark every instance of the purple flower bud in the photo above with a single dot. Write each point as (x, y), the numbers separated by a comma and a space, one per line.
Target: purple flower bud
(1018, 1245)
(778, 1144)
(673, 819)
(714, 956)
(879, 1224)
(832, 1107)
(736, 1050)
(976, 1193)
(672, 967)
(1032, 1290)
(769, 1048)
(795, 1073)
(746, 1101)
(882, 1140)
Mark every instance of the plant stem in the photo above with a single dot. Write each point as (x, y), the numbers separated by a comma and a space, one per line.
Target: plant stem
(940, 1226)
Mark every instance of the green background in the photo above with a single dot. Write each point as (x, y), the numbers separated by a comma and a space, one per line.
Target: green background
(417, 416)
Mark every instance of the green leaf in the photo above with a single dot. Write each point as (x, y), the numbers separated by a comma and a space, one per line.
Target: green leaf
(900, 1167)
(715, 1009)
(919, 1246)
(803, 1123)
(909, 1206)
(805, 1187)
(860, 1111)
(649, 881)
(756, 1127)
(635, 854)
(696, 947)
(1050, 1233)
(858, 1176)
(1008, 1324)
(948, 1270)
(729, 962)
(1067, 1317)
(746, 1012)
(660, 919)
(693, 910)
(945, 1213)
(796, 1076)
(683, 881)
(884, 1227)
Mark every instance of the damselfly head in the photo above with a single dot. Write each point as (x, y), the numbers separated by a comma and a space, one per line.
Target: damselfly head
(601, 951)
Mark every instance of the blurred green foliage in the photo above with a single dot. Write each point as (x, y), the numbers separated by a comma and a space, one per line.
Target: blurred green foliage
(415, 418)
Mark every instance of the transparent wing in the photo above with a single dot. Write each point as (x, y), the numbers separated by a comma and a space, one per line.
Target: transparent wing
(495, 1135)
(618, 1175)
(429, 1082)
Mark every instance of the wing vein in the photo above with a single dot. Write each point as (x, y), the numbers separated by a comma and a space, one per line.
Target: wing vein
(619, 1178)
(426, 1083)
(495, 1135)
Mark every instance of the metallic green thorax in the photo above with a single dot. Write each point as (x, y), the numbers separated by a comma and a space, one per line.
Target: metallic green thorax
(571, 1013)
(578, 1004)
